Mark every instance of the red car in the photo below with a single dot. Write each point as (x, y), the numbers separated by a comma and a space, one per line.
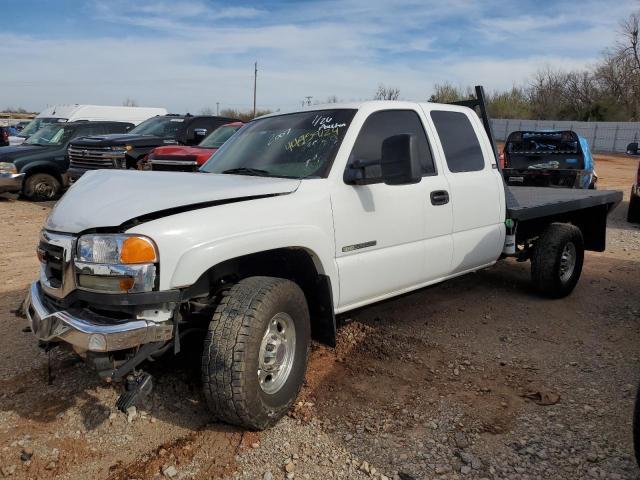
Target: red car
(182, 158)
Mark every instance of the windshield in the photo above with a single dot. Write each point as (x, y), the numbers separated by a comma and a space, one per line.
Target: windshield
(51, 135)
(37, 123)
(298, 145)
(166, 127)
(219, 136)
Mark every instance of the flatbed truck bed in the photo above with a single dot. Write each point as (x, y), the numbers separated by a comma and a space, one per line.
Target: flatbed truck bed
(528, 203)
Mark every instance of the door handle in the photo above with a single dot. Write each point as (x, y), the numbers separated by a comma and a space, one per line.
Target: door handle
(439, 197)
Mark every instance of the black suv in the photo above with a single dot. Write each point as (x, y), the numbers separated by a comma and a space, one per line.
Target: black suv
(128, 151)
(37, 167)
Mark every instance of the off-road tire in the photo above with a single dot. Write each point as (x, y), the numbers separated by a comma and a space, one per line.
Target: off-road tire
(636, 427)
(41, 187)
(231, 352)
(633, 213)
(546, 262)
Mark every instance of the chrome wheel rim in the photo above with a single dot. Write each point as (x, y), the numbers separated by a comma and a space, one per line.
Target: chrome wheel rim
(44, 189)
(567, 261)
(277, 352)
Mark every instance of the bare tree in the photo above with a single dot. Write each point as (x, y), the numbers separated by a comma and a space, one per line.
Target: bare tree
(445, 93)
(629, 45)
(207, 111)
(386, 93)
(129, 102)
(245, 116)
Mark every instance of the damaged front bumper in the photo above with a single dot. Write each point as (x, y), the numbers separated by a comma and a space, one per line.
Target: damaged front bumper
(86, 330)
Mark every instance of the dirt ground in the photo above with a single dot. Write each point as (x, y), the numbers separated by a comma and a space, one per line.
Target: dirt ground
(447, 382)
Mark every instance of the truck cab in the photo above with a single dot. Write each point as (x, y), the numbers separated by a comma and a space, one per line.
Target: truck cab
(297, 218)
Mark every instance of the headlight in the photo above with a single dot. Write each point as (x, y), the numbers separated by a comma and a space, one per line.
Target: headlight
(116, 263)
(116, 249)
(8, 167)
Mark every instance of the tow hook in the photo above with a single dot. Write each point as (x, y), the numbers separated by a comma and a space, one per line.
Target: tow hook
(137, 386)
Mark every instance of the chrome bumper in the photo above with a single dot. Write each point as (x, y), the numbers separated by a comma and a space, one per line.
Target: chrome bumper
(11, 182)
(89, 333)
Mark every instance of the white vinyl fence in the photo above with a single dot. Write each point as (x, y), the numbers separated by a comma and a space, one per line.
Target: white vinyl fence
(602, 136)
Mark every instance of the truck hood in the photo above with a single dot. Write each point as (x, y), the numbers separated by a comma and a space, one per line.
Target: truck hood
(182, 152)
(112, 198)
(117, 139)
(11, 153)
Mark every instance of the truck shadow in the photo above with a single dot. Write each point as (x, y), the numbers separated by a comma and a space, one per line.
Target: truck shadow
(454, 357)
(452, 360)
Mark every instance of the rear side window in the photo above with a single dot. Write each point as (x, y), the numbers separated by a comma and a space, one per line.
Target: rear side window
(459, 141)
(381, 125)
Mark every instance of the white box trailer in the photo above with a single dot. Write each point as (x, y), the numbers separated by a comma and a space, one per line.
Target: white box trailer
(71, 113)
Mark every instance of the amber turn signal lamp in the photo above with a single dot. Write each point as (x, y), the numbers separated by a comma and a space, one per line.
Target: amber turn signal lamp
(126, 284)
(138, 250)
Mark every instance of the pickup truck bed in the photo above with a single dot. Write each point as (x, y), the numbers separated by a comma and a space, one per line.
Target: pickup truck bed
(528, 203)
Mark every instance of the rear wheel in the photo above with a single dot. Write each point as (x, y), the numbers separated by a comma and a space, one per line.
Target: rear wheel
(255, 353)
(633, 214)
(41, 186)
(557, 260)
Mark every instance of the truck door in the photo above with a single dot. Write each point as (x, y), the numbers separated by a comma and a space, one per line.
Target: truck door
(390, 239)
(476, 190)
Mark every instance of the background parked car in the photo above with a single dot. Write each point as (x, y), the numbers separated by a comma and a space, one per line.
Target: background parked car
(37, 167)
(92, 113)
(548, 159)
(21, 125)
(4, 136)
(128, 151)
(182, 158)
(633, 213)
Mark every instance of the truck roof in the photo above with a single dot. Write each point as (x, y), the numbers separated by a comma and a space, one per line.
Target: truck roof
(372, 105)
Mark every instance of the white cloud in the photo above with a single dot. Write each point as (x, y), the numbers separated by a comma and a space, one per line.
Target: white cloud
(184, 56)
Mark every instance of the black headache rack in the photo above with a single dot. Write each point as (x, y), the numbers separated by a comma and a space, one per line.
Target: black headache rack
(531, 209)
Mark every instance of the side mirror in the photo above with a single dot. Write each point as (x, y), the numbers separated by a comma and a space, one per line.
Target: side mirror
(632, 149)
(400, 160)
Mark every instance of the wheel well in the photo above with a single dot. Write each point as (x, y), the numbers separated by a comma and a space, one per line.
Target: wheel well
(295, 264)
(592, 222)
(44, 169)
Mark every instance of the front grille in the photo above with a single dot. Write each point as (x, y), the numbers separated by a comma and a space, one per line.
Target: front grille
(160, 167)
(55, 251)
(93, 158)
(53, 259)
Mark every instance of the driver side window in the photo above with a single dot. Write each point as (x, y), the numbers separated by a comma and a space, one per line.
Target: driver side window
(381, 125)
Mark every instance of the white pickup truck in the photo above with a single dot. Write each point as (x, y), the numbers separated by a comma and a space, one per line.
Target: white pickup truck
(297, 218)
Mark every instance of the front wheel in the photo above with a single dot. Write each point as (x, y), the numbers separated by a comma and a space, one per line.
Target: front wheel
(557, 260)
(255, 352)
(41, 186)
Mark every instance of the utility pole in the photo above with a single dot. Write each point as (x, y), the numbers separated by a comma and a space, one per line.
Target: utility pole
(217, 109)
(255, 82)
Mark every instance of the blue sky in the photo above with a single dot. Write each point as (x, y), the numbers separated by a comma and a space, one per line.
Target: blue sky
(188, 55)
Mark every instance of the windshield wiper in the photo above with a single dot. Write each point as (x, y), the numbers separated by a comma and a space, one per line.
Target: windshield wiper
(247, 171)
